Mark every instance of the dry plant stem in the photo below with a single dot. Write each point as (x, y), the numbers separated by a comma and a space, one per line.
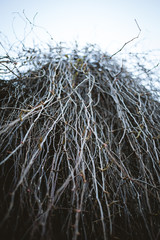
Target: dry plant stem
(77, 140)
(129, 40)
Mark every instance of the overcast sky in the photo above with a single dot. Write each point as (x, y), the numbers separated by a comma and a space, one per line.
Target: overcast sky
(108, 23)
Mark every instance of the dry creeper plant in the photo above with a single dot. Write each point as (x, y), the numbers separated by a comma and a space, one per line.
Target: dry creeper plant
(79, 149)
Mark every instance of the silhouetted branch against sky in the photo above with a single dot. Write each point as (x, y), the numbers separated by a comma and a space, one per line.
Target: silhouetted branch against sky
(129, 40)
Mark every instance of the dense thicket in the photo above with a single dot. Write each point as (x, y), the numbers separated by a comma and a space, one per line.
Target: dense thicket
(79, 149)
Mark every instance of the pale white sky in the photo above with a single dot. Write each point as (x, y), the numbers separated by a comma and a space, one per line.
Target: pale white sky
(108, 23)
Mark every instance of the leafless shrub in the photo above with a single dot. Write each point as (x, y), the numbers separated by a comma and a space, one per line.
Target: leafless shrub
(79, 149)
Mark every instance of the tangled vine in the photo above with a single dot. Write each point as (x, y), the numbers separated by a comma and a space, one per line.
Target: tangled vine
(79, 149)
